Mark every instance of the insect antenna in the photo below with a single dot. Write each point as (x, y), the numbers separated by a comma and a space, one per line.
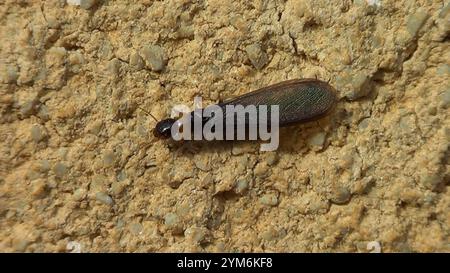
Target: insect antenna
(148, 113)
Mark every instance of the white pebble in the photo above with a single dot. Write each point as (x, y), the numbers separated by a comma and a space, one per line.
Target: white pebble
(104, 198)
(269, 200)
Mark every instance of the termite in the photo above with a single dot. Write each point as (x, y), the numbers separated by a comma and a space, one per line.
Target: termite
(299, 101)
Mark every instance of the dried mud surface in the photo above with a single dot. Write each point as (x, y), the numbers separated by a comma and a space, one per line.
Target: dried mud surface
(80, 167)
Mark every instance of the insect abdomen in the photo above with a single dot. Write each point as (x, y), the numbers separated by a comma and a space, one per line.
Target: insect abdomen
(298, 100)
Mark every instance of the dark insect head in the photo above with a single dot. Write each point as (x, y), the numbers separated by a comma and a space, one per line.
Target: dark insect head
(163, 128)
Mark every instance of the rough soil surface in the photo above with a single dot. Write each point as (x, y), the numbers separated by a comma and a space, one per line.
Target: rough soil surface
(81, 171)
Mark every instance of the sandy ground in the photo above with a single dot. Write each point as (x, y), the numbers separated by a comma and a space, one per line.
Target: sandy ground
(81, 171)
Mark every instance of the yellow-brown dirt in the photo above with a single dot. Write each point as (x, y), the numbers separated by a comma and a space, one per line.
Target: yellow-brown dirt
(79, 164)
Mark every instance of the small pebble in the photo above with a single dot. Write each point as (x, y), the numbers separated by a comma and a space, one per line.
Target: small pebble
(415, 22)
(272, 159)
(106, 50)
(354, 84)
(104, 198)
(43, 166)
(443, 69)
(261, 170)
(58, 54)
(202, 164)
(183, 209)
(445, 99)
(177, 176)
(154, 57)
(120, 224)
(76, 59)
(196, 235)
(114, 67)
(432, 110)
(39, 189)
(269, 234)
(444, 11)
(431, 181)
(98, 183)
(10, 74)
(361, 86)
(36, 133)
(20, 245)
(172, 221)
(269, 199)
(407, 125)
(32, 175)
(257, 56)
(238, 22)
(241, 186)
(53, 22)
(87, 4)
(118, 187)
(207, 181)
(341, 196)
(95, 127)
(136, 228)
(43, 112)
(109, 158)
(403, 39)
(317, 140)
(363, 124)
(185, 32)
(60, 170)
(122, 175)
(29, 107)
(136, 61)
(79, 194)
(346, 158)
